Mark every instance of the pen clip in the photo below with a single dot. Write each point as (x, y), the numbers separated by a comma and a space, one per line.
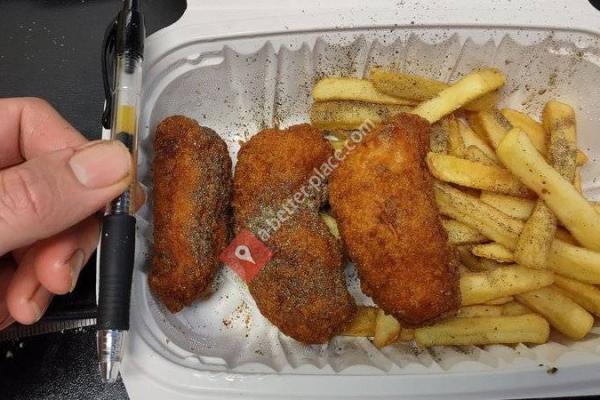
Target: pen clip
(108, 51)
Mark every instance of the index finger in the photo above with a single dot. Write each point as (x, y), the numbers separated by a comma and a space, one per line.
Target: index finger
(29, 127)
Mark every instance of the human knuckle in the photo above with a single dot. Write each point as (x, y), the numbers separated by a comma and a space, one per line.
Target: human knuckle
(36, 102)
(24, 194)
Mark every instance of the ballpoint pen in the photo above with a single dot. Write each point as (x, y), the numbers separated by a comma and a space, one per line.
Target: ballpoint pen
(122, 71)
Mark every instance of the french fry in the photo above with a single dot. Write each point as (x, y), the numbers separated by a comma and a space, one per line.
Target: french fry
(387, 330)
(529, 328)
(474, 153)
(338, 134)
(405, 86)
(474, 175)
(456, 145)
(587, 296)
(414, 87)
(338, 88)
(459, 233)
(470, 191)
(531, 127)
(574, 262)
(363, 323)
(349, 115)
(476, 125)
(516, 207)
(564, 314)
(493, 251)
(500, 301)
(337, 140)
(331, 224)
(559, 119)
(513, 308)
(521, 208)
(476, 264)
(486, 102)
(487, 265)
(338, 144)
(438, 137)
(470, 138)
(479, 311)
(536, 238)
(462, 269)
(519, 155)
(564, 258)
(490, 124)
(480, 287)
(470, 87)
(581, 158)
(471, 211)
(467, 258)
(558, 116)
(565, 236)
(406, 335)
(539, 231)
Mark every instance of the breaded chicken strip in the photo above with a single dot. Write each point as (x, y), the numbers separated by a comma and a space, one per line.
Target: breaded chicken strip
(302, 289)
(382, 198)
(192, 194)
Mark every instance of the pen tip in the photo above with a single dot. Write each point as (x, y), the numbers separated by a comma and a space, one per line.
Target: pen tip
(109, 371)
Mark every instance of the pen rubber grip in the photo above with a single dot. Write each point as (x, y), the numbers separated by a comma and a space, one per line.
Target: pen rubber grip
(116, 267)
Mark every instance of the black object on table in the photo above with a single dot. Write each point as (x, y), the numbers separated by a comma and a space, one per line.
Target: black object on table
(51, 49)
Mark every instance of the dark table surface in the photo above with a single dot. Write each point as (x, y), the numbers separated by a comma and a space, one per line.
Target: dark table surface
(51, 49)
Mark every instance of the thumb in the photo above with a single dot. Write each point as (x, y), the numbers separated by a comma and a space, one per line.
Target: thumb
(48, 194)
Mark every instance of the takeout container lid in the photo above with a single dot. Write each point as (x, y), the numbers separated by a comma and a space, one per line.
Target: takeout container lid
(150, 375)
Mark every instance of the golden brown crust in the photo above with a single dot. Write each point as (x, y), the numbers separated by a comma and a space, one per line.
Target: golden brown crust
(302, 290)
(192, 193)
(382, 198)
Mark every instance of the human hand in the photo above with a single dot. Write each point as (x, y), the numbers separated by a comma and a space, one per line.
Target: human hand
(52, 182)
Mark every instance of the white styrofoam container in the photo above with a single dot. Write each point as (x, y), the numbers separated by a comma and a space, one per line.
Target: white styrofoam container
(240, 66)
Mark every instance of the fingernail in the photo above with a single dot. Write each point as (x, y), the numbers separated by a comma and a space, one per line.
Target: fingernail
(42, 295)
(76, 264)
(101, 164)
(37, 312)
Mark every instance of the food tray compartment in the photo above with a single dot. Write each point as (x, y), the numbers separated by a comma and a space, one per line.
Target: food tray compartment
(244, 93)
(244, 83)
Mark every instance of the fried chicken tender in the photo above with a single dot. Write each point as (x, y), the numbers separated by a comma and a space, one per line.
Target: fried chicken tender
(302, 289)
(382, 198)
(192, 194)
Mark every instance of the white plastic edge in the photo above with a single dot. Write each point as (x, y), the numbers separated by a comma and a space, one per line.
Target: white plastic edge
(238, 18)
(150, 376)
